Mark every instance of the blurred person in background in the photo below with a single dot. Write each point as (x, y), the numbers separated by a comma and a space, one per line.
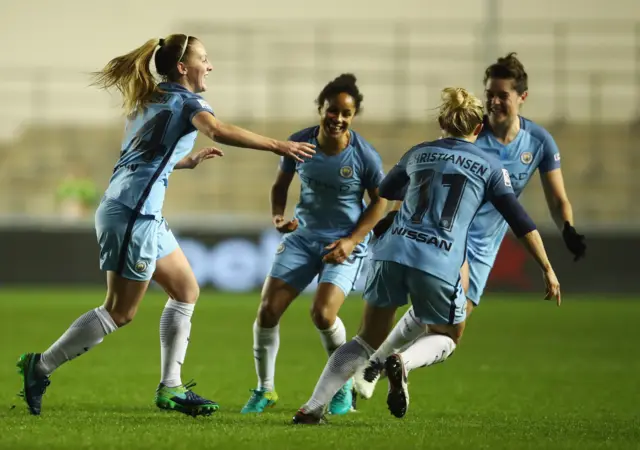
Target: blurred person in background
(523, 147)
(77, 194)
(136, 244)
(327, 238)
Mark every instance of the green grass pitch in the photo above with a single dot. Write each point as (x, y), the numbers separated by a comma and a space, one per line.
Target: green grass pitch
(527, 375)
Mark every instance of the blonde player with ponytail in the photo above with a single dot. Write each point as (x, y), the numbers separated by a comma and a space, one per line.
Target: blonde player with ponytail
(136, 244)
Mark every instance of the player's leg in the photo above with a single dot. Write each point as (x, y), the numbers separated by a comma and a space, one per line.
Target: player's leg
(345, 361)
(174, 274)
(465, 282)
(438, 305)
(126, 244)
(336, 282)
(324, 313)
(326, 303)
(120, 307)
(384, 292)
(428, 348)
(276, 297)
(294, 267)
(435, 347)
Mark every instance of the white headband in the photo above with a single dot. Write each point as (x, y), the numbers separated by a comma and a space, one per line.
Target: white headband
(184, 48)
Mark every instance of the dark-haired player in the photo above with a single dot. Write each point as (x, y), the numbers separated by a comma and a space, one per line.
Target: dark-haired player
(522, 146)
(327, 238)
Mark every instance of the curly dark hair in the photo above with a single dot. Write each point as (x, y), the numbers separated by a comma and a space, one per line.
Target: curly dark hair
(345, 83)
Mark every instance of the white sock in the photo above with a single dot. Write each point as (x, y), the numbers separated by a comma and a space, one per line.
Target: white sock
(340, 367)
(408, 314)
(175, 328)
(334, 336)
(407, 330)
(428, 350)
(86, 332)
(266, 342)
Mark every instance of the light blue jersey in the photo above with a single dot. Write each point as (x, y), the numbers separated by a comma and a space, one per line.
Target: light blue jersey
(448, 181)
(155, 140)
(533, 148)
(333, 186)
(331, 203)
(131, 231)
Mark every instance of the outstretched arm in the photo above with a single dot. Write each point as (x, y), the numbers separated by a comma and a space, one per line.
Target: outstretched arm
(225, 133)
(524, 228)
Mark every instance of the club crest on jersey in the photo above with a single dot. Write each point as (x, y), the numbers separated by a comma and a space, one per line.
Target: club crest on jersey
(346, 172)
(141, 266)
(280, 248)
(526, 158)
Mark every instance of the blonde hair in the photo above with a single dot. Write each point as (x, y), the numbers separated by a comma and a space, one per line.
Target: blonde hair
(131, 73)
(460, 112)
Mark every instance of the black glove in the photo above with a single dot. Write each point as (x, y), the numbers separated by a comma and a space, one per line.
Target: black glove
(574, 241)
(384, 224)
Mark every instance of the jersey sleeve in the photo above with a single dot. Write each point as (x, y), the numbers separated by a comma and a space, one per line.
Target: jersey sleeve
(194, 105)
(514, 214)
(404, 161)
(373, 170)
(500, 194)
(287, 165)
(394, 185)
(550, 154)
(499, 182)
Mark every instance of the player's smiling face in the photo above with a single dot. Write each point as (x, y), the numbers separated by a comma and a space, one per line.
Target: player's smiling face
(197, 67)
(503, 101)
(336, 115)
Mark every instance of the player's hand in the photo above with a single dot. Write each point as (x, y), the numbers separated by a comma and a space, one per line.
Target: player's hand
(574, 241)
(295, 150)
(192, 161)
(340, 251)
(384, 224)
(284, 226)
(552, 285)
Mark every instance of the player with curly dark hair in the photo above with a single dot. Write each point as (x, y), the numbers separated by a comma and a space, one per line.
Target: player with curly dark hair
(327, 238)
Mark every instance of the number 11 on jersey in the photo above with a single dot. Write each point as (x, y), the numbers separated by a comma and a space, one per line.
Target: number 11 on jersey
(456, 182)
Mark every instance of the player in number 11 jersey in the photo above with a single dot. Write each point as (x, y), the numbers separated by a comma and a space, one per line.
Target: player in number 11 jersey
(523, 147)
(443, 183)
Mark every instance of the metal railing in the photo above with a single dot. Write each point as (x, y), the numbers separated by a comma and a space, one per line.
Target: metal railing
(584, 86)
